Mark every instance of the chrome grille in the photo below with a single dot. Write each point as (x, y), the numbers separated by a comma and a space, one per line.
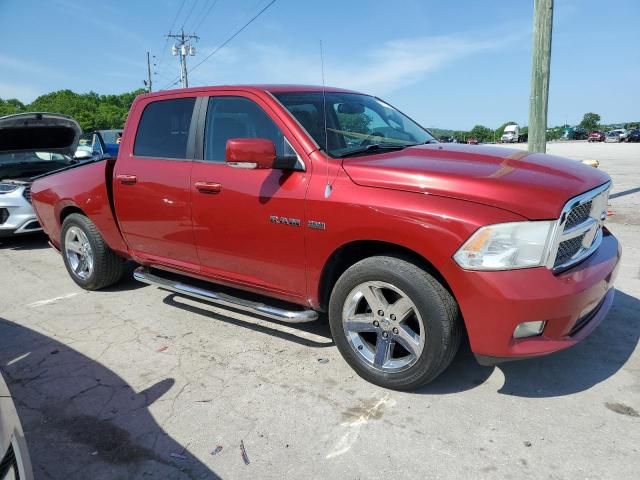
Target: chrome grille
(579, 229)
(27, 193)
(578, 215)
(568, 249)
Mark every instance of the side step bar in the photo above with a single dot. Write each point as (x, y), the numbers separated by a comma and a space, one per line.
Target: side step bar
(290, 316)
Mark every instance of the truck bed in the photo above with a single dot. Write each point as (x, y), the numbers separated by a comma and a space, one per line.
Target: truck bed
(85, 188)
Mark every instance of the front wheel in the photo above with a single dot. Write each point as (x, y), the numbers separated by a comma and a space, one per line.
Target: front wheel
(394, 323)
(89, 260)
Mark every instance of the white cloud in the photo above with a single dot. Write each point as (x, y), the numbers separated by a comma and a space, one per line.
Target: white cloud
(391, 66)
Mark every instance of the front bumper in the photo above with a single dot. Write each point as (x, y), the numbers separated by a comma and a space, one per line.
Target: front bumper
(572, 303)
(16, 214)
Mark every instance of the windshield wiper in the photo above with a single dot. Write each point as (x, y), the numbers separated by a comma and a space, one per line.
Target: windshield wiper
(374, 147)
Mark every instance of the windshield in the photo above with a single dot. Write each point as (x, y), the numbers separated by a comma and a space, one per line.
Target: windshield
(31, 157)
(355, 122)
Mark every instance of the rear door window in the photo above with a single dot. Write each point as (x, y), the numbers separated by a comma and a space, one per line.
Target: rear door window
(163, 131)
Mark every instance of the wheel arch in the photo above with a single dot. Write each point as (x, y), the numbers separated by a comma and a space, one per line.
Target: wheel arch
(350, 253)
(68, 210)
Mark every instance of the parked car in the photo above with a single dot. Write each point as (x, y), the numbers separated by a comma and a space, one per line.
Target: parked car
(100, 142)
(613, 137)
(404, 241)
(15, 462)
(30, 144)
(472, 141)
(577, 134)
(634, 135)
(596, 136)
(511, 134)
(623, 133)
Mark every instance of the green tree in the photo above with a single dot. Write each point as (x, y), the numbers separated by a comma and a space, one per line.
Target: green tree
(590, 121)
(91, 110)
(555, 133)
(11, 106)
(482, 133)
(354, 122)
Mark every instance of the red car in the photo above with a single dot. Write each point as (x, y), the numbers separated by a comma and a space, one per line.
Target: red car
(472, 141)
(596, 136)
(337, 202)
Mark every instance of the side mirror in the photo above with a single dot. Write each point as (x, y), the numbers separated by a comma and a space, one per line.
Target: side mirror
(82, 155)
(250, 153)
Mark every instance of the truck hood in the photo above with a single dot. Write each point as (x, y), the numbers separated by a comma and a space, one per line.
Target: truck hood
(39, 132)
(535, 186)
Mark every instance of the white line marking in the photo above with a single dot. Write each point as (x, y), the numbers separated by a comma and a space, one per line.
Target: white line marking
(17, 359)
(51, 300)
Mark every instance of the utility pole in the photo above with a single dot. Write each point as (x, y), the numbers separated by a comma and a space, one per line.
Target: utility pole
(150, 85)
(182, 47)
(539, 100)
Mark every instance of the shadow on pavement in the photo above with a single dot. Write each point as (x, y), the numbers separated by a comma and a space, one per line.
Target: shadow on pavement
(319, 327)
(592, 361)
(29, 241)
(127, 283)
(81, 420)
(624, 192)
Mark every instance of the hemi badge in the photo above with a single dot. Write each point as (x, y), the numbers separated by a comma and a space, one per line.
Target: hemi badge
(317, 225)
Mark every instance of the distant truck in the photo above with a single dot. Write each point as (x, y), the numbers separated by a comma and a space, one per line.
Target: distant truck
(511, 134)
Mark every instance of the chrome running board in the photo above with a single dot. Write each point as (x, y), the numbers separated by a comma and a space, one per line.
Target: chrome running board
(290, 316)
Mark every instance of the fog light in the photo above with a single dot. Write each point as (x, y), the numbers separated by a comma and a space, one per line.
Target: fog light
(528, 329)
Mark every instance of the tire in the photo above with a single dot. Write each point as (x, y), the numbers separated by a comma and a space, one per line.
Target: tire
(88, 259)
(394, 361)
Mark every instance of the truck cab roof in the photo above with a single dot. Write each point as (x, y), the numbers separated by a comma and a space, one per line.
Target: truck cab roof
(270, 88)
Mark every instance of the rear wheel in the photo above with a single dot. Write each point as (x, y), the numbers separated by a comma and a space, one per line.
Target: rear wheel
(89, 260)
(394, 323)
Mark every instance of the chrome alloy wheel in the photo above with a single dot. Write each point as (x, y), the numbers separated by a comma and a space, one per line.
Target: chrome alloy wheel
(383, 326)
(79, 254)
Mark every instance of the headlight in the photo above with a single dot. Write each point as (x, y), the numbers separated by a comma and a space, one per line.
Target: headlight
(506, 246)
(8, 187)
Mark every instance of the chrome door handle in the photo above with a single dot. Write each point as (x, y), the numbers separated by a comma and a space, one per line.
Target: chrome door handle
(127, 179)
(208, 187)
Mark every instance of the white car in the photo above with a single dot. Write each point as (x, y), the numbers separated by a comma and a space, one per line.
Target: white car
(621, 132)
(14, 456)
(613, 137)
(31, 144)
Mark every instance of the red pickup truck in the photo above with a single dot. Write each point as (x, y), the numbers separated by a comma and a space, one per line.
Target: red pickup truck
(286, 201)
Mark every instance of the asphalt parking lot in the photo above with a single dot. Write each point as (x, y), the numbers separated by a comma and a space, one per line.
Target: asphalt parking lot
(135, 382)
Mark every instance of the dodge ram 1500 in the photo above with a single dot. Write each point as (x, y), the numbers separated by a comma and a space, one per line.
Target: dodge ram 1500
(288, 201)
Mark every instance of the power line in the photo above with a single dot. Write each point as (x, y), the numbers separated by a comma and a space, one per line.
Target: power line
(166, 40)
(202, 18)
(193, 6)
(177, 15)
(225, 43)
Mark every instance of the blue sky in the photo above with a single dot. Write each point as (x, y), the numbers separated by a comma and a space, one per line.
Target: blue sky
(449, 64)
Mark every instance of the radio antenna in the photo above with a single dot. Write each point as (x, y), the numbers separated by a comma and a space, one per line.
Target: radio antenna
(327, 188)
